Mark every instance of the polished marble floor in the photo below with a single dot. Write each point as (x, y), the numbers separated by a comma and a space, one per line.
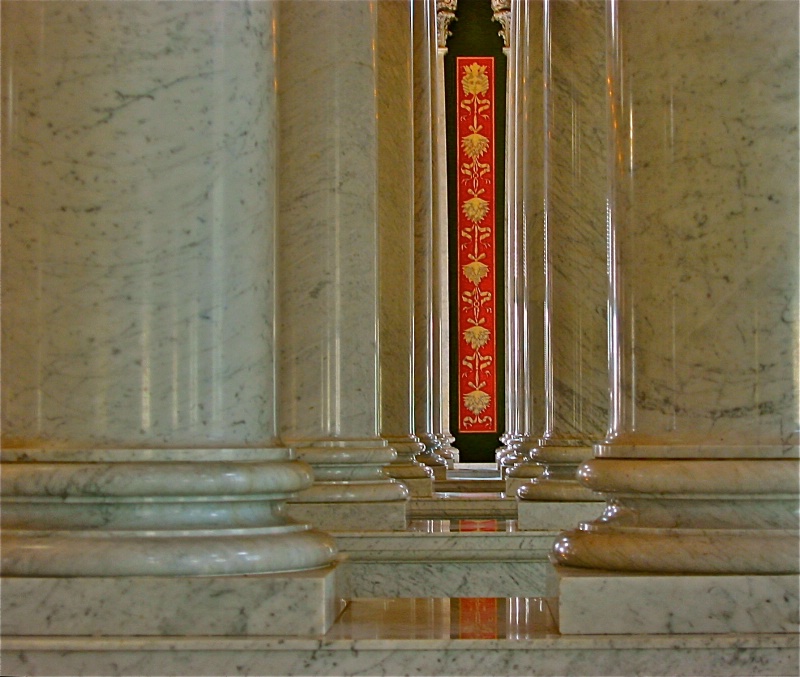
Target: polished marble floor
(438, 618)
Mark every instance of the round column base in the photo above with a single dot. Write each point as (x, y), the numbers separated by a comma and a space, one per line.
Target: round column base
(155, 513)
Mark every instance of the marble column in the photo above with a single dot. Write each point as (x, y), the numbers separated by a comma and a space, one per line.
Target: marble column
(573, 268)
(404, 64)
(524, 236)
(142, 477)
(700, 462)
(508, 453)
(337, 198)
(426, 315)
(442, 435)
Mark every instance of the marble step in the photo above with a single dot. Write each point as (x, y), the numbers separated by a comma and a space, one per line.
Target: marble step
(446, 564)
(414, 637)
(470, 485)
(459, 505)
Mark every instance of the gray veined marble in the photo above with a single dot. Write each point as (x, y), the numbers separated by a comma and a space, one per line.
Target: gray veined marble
(140, 450)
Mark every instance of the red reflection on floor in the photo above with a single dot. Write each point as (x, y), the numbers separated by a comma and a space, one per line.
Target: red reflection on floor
(477, 525)
(477, 618)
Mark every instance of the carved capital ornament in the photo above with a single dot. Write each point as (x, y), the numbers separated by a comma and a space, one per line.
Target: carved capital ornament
(501, 13)
(445, 14)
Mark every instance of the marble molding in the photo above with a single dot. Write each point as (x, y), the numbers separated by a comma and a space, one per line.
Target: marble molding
(345, 202)
(140, 450)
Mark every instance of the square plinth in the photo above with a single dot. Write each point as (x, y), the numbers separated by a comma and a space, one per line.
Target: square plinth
(299, 604)
(610, 603)
(352, 516)
(554, 515)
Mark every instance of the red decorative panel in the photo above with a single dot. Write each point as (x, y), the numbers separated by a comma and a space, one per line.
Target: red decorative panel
(477, 345)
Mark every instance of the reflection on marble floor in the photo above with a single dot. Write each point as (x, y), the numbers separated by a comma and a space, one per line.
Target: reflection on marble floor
(437, 618)
(451, 526)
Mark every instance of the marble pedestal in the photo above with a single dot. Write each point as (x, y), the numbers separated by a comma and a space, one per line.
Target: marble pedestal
(301, 603)
(592, 602)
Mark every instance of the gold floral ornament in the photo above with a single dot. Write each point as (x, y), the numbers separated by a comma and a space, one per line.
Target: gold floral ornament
(477, 401)
(475, 271)
(474, 145)
(475, 209)
(476, 336)
(475, 80)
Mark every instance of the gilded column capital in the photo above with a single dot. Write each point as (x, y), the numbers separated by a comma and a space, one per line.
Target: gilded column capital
(445, 14)
(501, 12)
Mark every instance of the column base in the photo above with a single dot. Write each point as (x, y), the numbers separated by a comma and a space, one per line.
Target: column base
(594, 602)
(446, 450)
(430, 459)
(352, 490)
(416, 477)
(374, 516)
(418, 487)
(521, 475)
(302, 603)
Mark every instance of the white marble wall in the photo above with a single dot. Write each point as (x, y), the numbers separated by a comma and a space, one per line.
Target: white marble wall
(705, 214)
(139, 161)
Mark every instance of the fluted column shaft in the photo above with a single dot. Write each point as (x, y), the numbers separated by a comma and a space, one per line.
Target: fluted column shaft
(345, 191)
(138, 372)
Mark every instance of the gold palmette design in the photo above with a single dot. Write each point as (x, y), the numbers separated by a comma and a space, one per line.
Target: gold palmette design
(475, 85)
